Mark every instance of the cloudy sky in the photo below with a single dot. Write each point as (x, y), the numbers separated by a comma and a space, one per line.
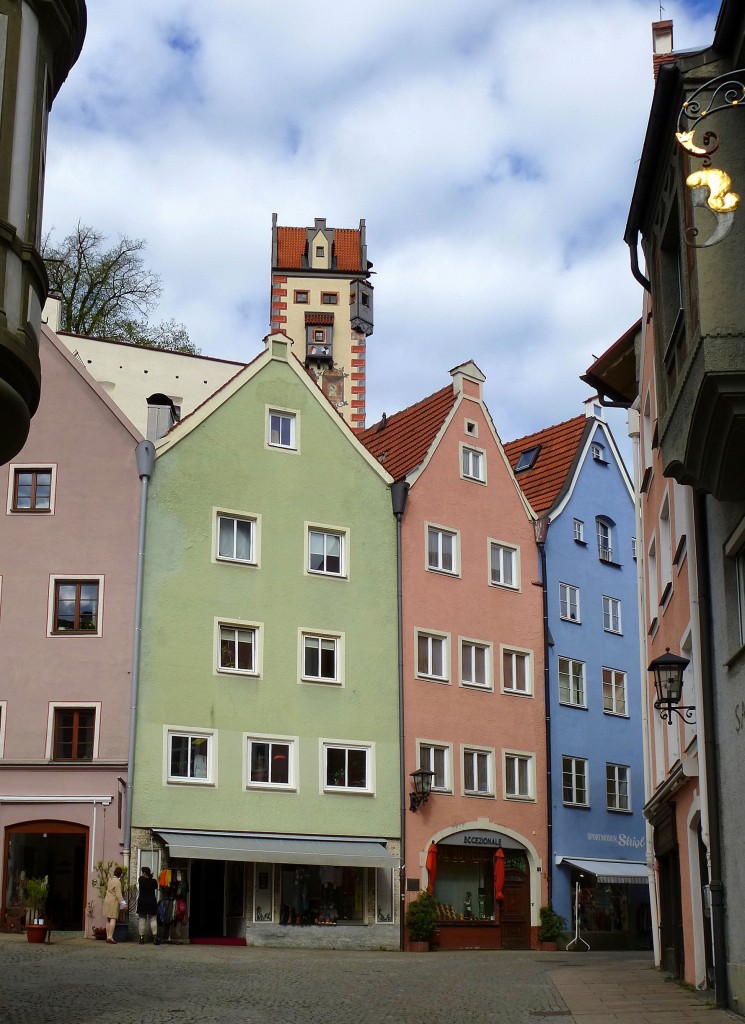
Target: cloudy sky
(490, 145)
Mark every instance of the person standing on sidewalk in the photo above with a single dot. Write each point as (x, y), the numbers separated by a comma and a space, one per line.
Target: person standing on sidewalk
(147, 905)
(112, 902)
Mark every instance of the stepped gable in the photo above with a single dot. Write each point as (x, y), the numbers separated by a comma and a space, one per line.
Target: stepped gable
(400, 442)
(545, 480)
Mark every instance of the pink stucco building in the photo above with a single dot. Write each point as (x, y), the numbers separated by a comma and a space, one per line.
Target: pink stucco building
(68, 557)
(473, 669)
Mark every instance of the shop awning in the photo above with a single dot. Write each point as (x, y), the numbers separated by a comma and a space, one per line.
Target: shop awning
(620, 872)
(365, 853)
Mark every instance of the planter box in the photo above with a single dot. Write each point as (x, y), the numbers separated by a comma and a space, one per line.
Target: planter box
(468, 935)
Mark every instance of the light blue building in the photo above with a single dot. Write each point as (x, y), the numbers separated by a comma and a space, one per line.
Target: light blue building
(574, 477)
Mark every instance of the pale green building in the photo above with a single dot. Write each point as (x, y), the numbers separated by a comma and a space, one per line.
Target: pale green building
(266, 773)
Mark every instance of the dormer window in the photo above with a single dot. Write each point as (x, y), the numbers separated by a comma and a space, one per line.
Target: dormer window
(527, 459)
(598, 452)
(320, 252)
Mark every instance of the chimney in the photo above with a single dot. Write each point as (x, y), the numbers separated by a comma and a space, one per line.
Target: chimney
(662, 45)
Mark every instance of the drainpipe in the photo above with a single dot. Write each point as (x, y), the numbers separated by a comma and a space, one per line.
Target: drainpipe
(399, 494)
(708, 695)
(541, 532)
(644, 659)
(145, 455)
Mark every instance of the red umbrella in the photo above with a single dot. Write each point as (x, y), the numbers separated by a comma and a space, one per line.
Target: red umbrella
(499, 874)
(431, 866)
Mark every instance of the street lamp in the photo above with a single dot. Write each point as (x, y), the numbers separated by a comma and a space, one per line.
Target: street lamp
(422, 787)
(668, 672)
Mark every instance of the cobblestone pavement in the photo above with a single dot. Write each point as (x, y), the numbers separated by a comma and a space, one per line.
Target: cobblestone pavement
(87, 982)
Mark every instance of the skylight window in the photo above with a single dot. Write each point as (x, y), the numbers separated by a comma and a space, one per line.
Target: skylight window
(527, 459)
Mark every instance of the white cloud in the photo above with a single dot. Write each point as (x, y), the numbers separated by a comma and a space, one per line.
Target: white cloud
(490, 146)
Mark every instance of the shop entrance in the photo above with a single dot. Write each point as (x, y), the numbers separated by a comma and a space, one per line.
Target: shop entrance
(58, 850)
(207, 899)
(516, 907)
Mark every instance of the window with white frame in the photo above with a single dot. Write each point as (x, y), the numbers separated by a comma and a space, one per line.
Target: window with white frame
(572, 682)
(604, 533)
(75, 606)
(326, 554)
(270, 762)
(666, 548)
(442, 550)
(321, 658)
(503, 565)
(652, 582)
(435, 757)
(472, 463)
(347, 767)
(579, 531)
(611, 614)
(238, 648)
(74, 735)
(281, 429)
(236, 538)
(478, 772)
(569, 602)
(517, 672)
(31, 488)
(475, 664)
(598, 452)
(617, 787)
(574, 781)
(518, 776)
(432, 655)
(614, 692)
(190, 755)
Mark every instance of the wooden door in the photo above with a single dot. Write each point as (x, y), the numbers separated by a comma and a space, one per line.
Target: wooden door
(515, 916)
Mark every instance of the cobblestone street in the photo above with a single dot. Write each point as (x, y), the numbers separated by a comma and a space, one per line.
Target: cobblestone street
(86, 982)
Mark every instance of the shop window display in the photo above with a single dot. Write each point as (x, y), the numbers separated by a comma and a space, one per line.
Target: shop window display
(313, 894)
(464, 886)
(610, 907)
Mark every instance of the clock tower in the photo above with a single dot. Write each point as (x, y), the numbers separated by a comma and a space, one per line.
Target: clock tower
(322, 299)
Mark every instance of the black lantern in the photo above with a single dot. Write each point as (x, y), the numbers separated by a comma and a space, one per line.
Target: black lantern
(668, 682)
(422, 787)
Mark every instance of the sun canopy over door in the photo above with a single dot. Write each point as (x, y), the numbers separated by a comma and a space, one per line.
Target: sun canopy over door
(619, 872)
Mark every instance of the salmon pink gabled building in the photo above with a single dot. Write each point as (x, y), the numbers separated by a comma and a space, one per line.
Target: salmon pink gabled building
(472, 668)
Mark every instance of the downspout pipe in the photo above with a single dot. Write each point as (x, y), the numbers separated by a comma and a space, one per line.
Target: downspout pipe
(708, 696)
(541, 532)
(145, 455)
(399, 494)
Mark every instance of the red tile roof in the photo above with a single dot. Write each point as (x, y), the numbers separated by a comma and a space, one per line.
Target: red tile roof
(400, 442)
(347, 249)
(545, 481)
(290, 247)
(319, 318)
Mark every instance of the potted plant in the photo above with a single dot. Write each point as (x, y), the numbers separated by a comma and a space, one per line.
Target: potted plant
(421, 917)
(36, 891)
(551, 928)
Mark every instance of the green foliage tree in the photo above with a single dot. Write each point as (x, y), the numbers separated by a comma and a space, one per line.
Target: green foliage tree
(108, 292)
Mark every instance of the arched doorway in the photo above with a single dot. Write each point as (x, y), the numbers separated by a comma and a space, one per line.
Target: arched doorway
(57, 849)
